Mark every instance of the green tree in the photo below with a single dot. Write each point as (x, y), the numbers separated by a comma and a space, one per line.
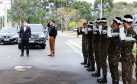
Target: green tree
(72, 24)
(81, 21)
(68, 15)
(119, 10)
(84, 9)
(123, 3)
(107, 6)
(135, 4)
(34, 11)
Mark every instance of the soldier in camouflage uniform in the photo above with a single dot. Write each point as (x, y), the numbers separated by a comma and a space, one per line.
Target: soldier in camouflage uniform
(84, 41)
(90, 48)
(126, 51)
(96, 48)
(103, 50)
(113, 50)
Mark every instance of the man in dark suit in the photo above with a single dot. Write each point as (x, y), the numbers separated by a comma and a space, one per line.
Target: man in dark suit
(25, 37)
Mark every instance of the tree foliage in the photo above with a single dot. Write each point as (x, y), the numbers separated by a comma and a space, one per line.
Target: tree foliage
(72, 24)
(107, 6)
(84, 9)
(34, 11)
(81, 21)
(68, 15)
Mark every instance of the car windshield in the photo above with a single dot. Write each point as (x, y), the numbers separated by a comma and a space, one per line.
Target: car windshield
(36, 28)
(9, 30)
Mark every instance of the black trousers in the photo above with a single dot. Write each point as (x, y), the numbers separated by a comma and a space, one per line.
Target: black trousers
(25, 43)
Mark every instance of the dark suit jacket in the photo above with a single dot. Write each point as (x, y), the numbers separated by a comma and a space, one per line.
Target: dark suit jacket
(25, 35)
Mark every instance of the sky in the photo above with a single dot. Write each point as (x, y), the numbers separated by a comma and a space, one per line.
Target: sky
(128, 1)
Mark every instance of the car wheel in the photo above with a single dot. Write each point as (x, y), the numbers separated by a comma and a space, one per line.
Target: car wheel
(43, 46)
(19, 47)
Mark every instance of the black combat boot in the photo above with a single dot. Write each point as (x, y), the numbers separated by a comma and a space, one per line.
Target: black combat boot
(88, 65)
(84, 62)
(102, 80)
(96, 74)
(91, 68)
(114, 82)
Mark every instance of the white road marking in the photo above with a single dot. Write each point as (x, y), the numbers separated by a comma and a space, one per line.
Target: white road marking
(75, 44)
(69, 44)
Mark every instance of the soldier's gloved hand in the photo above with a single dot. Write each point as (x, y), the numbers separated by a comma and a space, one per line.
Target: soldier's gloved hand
(119, 46)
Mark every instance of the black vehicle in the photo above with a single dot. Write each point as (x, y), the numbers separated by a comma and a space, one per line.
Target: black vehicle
(37, 36)
(8, 35)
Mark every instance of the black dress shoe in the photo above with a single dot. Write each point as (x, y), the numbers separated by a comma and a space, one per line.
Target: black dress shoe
(91, 69)
(27, 55)
(22, 55)
(102, 80)
(52, 55)
(49, 55)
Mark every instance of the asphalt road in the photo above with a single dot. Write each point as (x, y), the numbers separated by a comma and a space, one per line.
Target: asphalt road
(64, 68)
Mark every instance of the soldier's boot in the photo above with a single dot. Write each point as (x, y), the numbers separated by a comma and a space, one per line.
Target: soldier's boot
(84, 62)
(96, 74)
(91, 68)
(103, 79)
(88, 65)
(115, 82)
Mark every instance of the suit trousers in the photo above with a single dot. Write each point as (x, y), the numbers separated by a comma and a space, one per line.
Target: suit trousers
(25, 43)
(52, 45)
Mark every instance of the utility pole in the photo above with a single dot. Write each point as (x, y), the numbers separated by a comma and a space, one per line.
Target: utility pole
(5, 16)
(101, 10)
(11, 10)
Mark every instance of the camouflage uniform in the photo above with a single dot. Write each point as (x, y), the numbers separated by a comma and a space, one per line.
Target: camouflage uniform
(90, 48)
(103, 42)
(114, 56)
(96, 48)
(86, 47)
(127, 58)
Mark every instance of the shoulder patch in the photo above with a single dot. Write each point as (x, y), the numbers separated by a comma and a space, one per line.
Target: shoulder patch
(130, 35)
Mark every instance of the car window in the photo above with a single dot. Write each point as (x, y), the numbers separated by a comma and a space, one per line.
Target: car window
(9, 30)
(36, 28)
